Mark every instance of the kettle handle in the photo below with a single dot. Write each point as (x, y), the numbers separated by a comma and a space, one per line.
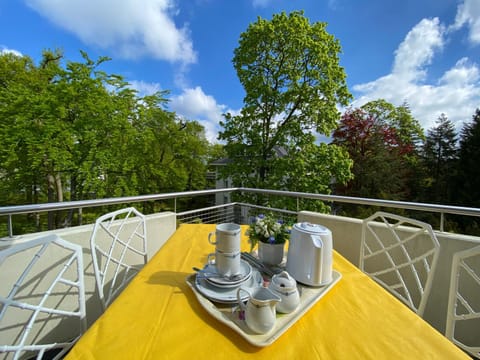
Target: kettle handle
(317, 241)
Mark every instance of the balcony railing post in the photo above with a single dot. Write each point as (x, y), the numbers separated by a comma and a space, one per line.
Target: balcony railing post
(10, 226)
(442, 221)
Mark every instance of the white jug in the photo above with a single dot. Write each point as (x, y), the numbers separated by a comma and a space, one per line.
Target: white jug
(310, 253)
(260, 314)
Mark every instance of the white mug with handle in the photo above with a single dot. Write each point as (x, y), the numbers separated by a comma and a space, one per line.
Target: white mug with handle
(226, 238)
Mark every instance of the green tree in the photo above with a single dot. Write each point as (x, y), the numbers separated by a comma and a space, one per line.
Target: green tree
(172, 152)
(467, 189)
(99, 109)
(408, 131)
(30, 127)
(289, 69)
(439, 157)
(74, 132)
(382, 140)
(64, 129)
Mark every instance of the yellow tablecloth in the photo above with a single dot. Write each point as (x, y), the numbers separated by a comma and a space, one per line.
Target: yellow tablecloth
(158, 317)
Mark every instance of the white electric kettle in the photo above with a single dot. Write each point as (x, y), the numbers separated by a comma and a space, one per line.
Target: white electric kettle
(309, 258)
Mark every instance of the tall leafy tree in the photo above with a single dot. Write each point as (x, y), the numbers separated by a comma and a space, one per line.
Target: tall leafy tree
(408, 131)
(373, 147)
(98, 108)
(31, 129)
(172, 152)
(74, 132)
(439, 156)
(289, 69)
(467, 190)
(382, 141)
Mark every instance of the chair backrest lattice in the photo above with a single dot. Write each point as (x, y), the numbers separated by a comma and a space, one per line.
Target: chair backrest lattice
(42, 288)
(119, 250)
(463, 316)
(400, 254)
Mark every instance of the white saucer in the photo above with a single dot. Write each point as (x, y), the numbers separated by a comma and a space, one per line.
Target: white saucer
(220, 281)
(227, 295)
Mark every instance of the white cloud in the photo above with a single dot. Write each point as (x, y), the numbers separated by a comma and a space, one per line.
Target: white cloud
(462, 74)
(468, 13)
(417, 49)
(456, 93)
(5, 50)
(145, 88)
(131, 28)
(194, 104)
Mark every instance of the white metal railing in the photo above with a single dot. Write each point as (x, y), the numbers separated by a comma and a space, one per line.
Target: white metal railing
(9, 211)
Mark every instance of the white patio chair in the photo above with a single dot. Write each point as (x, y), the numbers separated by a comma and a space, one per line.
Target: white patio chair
(119, 250)
(463, 316)
(42, 298)
(400, 254)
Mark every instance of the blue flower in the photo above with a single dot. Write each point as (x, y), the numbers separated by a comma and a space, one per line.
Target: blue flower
(271, 239)
(261, 216)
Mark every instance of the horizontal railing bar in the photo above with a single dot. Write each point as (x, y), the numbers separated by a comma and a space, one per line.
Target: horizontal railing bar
(290, 212)
(37, 208)
(214, 207)
(458, 210)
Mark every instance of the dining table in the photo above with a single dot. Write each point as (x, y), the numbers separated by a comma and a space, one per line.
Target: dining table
(158, 316)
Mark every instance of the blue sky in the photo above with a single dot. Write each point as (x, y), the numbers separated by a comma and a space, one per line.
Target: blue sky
(424, 52)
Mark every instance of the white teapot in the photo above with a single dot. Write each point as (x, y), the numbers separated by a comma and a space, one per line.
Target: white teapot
(285, 287)
(260, 314)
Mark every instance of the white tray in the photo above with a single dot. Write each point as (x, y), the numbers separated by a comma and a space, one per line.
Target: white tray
(232, 318)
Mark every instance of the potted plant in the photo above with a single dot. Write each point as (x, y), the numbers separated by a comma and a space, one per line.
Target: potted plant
(271, 234)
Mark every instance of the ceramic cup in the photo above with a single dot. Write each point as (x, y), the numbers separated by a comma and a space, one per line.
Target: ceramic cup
(226, 238)
(227, 264)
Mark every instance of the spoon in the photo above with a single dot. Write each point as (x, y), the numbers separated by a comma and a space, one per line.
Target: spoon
(217, 275)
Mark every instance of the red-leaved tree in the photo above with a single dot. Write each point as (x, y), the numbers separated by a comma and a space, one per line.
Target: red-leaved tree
(381, 149)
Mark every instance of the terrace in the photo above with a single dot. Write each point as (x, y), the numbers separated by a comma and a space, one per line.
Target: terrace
(346, 232)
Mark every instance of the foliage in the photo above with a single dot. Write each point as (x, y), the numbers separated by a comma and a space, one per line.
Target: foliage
(268, 229)
(467, 188)
(382, 141)
(408, 131)
(293, 82)
(70, 131)
(439, 158)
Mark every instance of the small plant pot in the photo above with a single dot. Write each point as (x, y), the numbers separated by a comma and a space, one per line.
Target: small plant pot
(270, 254)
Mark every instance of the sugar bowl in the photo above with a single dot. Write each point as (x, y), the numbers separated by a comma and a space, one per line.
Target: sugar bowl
(285, 286)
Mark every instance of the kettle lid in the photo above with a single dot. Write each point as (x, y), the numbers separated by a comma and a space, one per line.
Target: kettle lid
(310, 228)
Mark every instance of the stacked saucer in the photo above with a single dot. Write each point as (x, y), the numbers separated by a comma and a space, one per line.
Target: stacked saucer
(223, 289)
(212, 275)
